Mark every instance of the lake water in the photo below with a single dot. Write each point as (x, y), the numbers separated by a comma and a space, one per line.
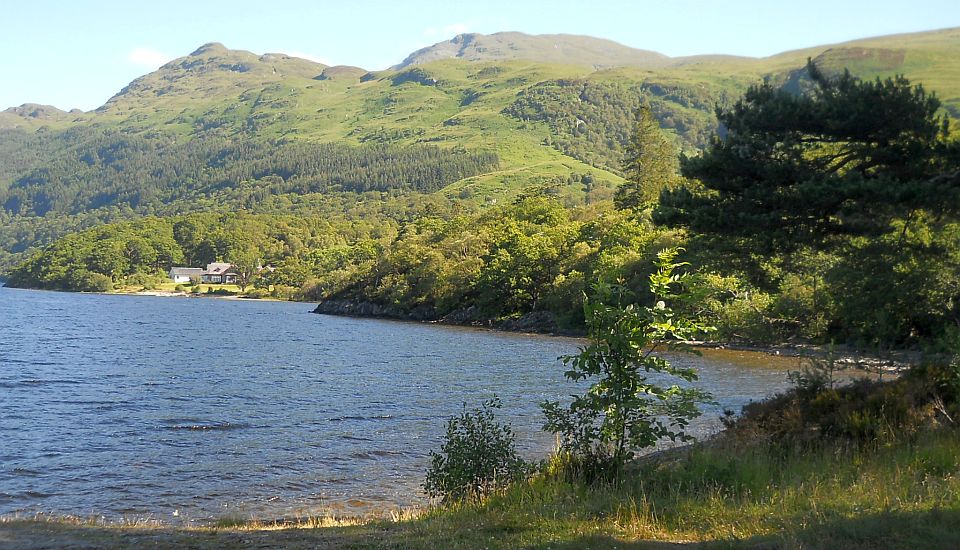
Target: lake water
(180, 409)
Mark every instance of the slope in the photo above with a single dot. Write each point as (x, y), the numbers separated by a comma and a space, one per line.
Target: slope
(545, 48)
(538, 124)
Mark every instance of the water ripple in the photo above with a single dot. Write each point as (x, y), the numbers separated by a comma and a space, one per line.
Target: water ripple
(135, 405)
(202, 425)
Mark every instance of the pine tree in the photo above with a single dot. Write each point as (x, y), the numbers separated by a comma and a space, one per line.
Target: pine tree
(847, 158)
(649, 164)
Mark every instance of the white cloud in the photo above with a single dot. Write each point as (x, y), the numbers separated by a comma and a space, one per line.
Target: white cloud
(447, 31)
(146, 57)
(310, 57)
(456, 28)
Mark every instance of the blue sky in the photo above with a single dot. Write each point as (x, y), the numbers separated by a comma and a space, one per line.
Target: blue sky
(79, 53)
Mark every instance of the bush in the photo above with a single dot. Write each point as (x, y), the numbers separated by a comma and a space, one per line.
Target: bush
(149, 281)
(258, 293)
(284, 292)
(478, 457)
(862, 412)
(802, 306)
(737, 310)
(817, 375)
(94, 282)
(627, 409)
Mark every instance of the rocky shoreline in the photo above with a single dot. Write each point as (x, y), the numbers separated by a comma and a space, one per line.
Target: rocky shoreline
(536, 322)
(544, 322)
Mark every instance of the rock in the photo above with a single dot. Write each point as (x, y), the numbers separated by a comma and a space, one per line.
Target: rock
(352, 309)
(467, 316)
(542, 322)
(535, 321)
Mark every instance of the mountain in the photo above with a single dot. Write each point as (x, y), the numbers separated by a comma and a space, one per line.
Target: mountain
(32, 115)
(495, 116)
(569, 49)
(211, 71)
(925, 56)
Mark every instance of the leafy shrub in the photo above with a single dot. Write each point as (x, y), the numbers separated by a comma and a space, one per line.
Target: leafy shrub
(478, 456)
(220, 292)
(819, 374)
(283, 292)
(258, 293)
(802, 306)
(864, 411)
(94, 282)
(149, 281)
(737, 311)
(625, 410)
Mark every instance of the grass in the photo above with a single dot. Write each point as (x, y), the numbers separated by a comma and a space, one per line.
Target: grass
(737, 496)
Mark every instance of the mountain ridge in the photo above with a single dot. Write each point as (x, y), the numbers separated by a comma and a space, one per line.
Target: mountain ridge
(513, 125)
(566, 49)
(569, 49)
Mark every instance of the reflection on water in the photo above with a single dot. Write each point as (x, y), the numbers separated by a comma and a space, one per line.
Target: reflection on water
(193, 409)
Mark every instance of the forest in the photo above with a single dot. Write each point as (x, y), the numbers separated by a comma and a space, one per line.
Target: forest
(113, 169)
(842, 230)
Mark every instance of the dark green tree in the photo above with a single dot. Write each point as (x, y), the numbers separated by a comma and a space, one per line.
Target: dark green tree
(846, 158)
(649, 164)
(246, 263)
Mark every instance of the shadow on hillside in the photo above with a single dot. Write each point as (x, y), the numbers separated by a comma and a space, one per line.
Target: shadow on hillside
(603, 542)
(937, 528)
(908, 530)
(36, 535)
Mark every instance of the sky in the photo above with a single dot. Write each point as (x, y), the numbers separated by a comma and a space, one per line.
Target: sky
(78, 53)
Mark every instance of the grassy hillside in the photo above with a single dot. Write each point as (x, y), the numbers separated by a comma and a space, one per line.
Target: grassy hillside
(547, 124)
(545, 48)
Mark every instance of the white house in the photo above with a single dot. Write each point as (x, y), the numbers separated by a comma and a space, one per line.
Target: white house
(184, 274)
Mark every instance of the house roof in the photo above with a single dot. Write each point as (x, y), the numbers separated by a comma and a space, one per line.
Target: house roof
(188, 271)
(217, 268)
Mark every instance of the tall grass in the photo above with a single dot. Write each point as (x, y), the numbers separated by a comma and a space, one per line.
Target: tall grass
(831, 495)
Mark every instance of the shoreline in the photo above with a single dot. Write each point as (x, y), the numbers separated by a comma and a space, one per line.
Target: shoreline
(183, 294)
(159, 294)
(536, 323)
(540, 323)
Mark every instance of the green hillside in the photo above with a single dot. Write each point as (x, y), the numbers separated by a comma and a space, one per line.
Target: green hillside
(222, 129)
(545, 48)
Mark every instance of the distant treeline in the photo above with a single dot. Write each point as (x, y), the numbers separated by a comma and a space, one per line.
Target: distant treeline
(534, 254)
(110, 168)
(531, 255)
